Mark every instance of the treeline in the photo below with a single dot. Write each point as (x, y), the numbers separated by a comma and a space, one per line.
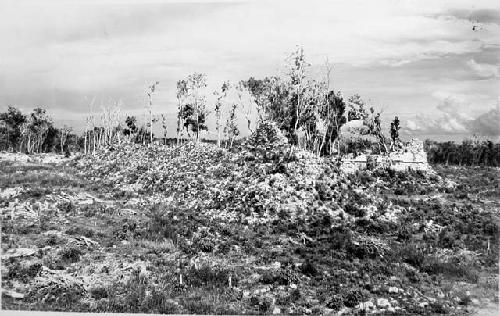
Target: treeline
(35, 133)
(310, 114)
(307, 110)
(468, 153)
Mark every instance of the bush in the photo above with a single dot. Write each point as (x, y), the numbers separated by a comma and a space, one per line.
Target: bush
(98, 293)
(353, 298)
(70, 254)
(354, 210)
(210, 276)
(24, 272)
(66, 207)
(451, 269)
(410, 253)
(309, 269)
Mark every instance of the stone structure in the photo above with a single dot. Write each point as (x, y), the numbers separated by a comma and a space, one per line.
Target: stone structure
(411, 155)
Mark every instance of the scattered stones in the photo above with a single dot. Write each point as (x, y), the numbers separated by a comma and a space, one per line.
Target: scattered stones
(366, 305)
(383, 303)
(393, 289)
(9, 193)
(12, 294)
(18, 252)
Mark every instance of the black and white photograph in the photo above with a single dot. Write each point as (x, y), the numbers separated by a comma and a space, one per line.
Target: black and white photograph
(262, 157)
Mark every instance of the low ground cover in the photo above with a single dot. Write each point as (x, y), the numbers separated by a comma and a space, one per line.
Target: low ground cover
(198, 229)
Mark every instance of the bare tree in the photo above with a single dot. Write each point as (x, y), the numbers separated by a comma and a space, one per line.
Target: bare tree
(182, 92)
(219, 108)
(88, 125)
(150, 91)
(297, 68)
(164, 126)
(65, 130)
(231, 129)
(246, 102)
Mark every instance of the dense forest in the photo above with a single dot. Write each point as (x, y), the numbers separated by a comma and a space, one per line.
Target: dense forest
(467, 153)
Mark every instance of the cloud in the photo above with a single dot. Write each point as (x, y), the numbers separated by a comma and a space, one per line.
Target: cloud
(484, 71)
(487, 124)
(452, 119)
(479, 15)
(56, 52)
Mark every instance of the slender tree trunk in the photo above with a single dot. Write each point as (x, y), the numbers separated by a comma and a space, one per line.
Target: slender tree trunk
(197, 120)
(94, 142)
(151, 118)
(179, 123)
(62, 142)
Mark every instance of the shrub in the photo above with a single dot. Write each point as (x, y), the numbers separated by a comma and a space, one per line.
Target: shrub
(335, 303)
(410, 253)
(98, 293)
(354, 210)
(22, 271)
(70, 254)
(451, 269)
(160, 225)
(209, 276)
(353, 298)
(66, 207)
(309, 269)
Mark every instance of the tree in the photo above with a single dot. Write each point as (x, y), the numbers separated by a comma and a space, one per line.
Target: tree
(182, 93)
(35, 129)
(231, 128)
(194, 113)
(149, 92)
(131, 123)
(297, 68)
(64, 132)
(334, 115)
(219, 108)
(357, 109)
(111, 117)
(258, 89)
(164, 126)
(246, 102)
(12, 121)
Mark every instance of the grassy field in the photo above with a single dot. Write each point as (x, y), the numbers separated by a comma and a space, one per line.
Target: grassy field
(207, 231)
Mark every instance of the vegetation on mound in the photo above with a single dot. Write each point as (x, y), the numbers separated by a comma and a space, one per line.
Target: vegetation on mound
(224, 234)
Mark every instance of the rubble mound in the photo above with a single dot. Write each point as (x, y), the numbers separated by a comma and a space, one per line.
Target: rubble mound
(258, 181)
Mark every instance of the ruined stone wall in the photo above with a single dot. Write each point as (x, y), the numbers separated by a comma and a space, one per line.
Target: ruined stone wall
(410, 156)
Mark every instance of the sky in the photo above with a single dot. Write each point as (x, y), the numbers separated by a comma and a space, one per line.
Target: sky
(434, 63)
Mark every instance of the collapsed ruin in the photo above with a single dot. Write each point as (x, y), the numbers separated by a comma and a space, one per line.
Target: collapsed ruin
(409, 156)
(404, 156)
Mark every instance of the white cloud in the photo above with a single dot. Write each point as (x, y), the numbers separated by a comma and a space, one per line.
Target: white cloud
(89, 47)
(452, 119)
(483, 70)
